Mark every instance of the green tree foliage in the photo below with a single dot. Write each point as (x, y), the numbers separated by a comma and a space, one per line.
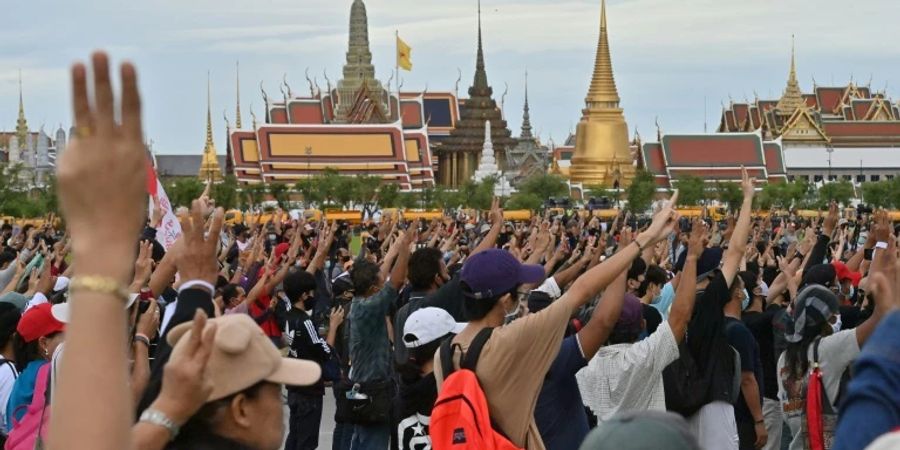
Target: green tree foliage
(281, 193)
(729, 193)
(641, 192)
(880, 194)
(255, 194)
(691, 190)
(839, 191)
(477, 195)
(309, 190)
(544, 186)
(524, 200)
(389, 195)
(182, 192)
(367, 190)
(226, 193)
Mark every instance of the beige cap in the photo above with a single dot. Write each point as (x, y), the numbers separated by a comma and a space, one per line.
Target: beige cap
(242, 356)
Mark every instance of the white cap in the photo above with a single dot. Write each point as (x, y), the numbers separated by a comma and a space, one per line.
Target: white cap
(427, 325)
(62, 313)
(764, 289)
(61, 284)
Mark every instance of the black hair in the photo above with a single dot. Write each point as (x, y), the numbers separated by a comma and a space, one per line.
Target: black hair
(750, 282)
(424, 265)
(656, 275)
(364, 275)
(297, 283)
(624, 337)
(420, 355)
(26, 352)
(638, 268)
(7, 256)
(200, 427)
(478, 308)
(229, 292)
(9, 319)
(796, 355)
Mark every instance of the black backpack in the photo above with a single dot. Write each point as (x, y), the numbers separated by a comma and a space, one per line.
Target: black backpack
(688, 388)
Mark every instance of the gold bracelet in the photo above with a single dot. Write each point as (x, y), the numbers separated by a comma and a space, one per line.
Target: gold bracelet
(98, 285)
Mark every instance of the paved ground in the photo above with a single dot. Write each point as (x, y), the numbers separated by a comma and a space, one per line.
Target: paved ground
(326, 430)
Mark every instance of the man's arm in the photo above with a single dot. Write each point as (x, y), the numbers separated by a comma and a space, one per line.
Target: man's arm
(604, 318)
(490, 239)
(398, 275)
(750, 391)
(817, 255)
(685, 294)
(738, 243)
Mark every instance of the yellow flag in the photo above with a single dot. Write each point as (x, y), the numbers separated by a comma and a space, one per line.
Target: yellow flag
(404, 60)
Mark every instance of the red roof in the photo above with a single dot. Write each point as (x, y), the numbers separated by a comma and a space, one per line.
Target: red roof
(653, 158)
(717, 174)
(811, 100)
(774, 160)
(861, 108)
(864, 91)
(829, 98)
(730, 120)
(755, 118)
(278, 115)
(411, 114)
(710, 151)
(306, 112)
(741, 112)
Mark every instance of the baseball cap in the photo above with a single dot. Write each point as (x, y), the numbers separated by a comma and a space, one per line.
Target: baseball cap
(642, 430)
(708, 262)
(495, 272)
(62, 311)
(427, 325)
(242, 356)
(844, 273)
(38, 322)
(821, 274)
(814, 305)
(61, 284)
(631, 316)
(16, 299)
(280, 250)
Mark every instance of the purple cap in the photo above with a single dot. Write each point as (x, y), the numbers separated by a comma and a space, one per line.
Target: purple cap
(631, 316)
(494, 272)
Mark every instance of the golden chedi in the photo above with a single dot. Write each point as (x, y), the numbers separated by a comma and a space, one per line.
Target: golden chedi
(602, 153)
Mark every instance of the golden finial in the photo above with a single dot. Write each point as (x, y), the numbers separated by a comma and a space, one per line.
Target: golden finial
(792, 97)
(603, 92)
(209, 135)
(209, 165)
(237, 120)
(252, 117)
(21, 123)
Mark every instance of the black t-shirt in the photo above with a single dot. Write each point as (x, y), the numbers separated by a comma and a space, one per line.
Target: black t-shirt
(413, 406)
(853, 316)
(414, 303)
(761, 325)
(740, 337)
(449, 297)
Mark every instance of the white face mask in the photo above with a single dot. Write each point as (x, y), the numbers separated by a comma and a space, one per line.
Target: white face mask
(514, 314)
(836, 326)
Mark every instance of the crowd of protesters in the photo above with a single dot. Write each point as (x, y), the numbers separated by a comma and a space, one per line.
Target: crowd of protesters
(561, 332)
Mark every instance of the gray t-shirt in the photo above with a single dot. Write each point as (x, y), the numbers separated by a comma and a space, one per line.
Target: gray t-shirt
(370, 348)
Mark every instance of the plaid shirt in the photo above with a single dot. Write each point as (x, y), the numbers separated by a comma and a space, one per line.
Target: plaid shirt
(370, 348)
(628, 377)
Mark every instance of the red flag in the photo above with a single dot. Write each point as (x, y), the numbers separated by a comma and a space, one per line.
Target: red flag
(151, 179)
(814, 427)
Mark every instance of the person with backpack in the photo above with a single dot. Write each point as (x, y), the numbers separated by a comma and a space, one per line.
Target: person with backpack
(427, 273)
(371, 371)
(710, 411)
(500, 368)
(626, 374)
(815, 360)
(748, 414)
(423, 333)
(9, 318)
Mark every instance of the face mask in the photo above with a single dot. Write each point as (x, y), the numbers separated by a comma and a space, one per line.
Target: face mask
(512, 315)
(836, 326)
(746, 301)
(851, 292)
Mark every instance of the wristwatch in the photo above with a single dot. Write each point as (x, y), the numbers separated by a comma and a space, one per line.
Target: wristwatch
(159, 418)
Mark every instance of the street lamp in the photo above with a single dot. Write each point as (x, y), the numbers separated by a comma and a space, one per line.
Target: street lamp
(830, 150)
(308, 152)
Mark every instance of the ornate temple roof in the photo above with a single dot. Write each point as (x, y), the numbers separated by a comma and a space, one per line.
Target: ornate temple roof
(468, 135)
(209, 165)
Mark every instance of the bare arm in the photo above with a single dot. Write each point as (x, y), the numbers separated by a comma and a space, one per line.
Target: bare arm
(738, 242)
(604, 318)
(490, 239)
(686, 294)
(398, 274)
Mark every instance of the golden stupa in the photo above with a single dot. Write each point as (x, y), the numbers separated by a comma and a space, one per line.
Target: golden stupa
(602, 153)
(209, 166)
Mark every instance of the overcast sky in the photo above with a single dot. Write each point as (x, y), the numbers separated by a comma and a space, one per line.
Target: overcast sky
(671, 58)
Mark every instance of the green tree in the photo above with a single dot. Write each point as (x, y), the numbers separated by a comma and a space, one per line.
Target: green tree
(329, 183)
(691, 190)
(878, 193)
(730, 193)
(839, 191)
(477, 195)
(226, 193)
(389, 195)
(346, 191)
(409, 200)
(182, 192)
(310, 191)
(641, 192)
(367, 192)
(524, 200)
(255, 194)
(281, 193)
(544, 186)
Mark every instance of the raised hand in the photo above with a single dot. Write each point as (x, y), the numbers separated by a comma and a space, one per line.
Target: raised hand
(696, 241)
(143, 265)
(198, 260)
(663, 222)
(158, 213)
(830, 220)
(106, 210)
(496, 214)
(748, 184)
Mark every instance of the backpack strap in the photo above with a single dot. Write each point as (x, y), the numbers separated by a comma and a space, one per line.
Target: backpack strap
(447, 357)
(470, 361)
(816, 351)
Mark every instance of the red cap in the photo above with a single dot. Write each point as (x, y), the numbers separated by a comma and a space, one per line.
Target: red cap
(843, 273)
(38, 322)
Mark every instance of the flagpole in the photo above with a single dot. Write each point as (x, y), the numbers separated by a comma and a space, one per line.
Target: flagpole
(397, 67)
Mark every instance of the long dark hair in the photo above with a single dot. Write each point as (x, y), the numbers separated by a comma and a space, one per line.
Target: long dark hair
(706, 330)
(796, 355)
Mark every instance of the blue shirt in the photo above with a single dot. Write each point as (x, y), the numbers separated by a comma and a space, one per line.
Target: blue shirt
(22, 392)
(370, 349)
(872, 404)
(559, 413)
(664, 302)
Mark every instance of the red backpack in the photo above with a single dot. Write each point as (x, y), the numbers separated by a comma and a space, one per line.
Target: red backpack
(460, 419)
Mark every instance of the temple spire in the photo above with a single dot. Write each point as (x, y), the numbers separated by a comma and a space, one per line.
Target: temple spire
(526, 116)
(481, 81)
(209, 135)
(209, 165)
(237, 120)
(792, 97)
(602, 93)
(21, 123)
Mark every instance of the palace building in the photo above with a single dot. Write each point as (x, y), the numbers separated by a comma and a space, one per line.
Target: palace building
(833, 133)
(34, 151)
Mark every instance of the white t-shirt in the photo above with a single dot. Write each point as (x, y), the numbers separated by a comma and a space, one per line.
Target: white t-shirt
(628, 377)
(836, 352)
(8, 375)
